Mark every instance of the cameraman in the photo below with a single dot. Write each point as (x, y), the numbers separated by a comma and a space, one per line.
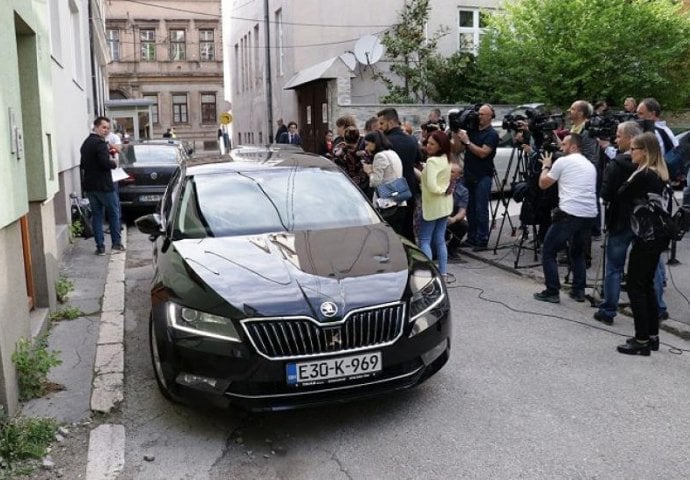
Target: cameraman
(617, 220)
(480, 149)
(572, 220)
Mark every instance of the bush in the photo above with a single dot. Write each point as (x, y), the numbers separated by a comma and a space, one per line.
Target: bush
(33, 362)
(22, 438)
(67, 313)
(63, 287)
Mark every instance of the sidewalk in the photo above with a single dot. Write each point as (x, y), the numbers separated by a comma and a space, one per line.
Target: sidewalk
(504, 253)
(92, 371)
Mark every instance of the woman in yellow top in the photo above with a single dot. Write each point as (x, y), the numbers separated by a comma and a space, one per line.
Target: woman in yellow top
(437, 204)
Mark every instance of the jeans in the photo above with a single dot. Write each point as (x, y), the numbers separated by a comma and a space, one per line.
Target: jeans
(573, 229)
(644, 262)
(616, 253)
(105, 202)
(434, 232)
(478, 210)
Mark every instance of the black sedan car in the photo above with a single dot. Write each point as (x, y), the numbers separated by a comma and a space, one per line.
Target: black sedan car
(150, 166)
(278, 285)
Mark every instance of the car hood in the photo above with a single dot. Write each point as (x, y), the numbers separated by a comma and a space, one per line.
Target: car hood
(294, 273)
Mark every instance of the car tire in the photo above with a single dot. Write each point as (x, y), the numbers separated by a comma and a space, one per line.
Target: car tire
(165, 373)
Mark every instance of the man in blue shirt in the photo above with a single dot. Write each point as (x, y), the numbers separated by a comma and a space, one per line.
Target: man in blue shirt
(480, 149)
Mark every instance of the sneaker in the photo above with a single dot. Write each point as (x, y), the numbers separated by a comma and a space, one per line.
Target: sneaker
(633, 346)
(603, 318)
(663, 316)
(545, 296)
(100, 251)
(118, 248)
(577, 295)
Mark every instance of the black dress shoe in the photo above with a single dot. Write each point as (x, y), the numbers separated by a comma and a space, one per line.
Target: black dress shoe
(603, 318)
(633, 346)
(653, 343)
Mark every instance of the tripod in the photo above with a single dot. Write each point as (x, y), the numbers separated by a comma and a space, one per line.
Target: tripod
(519, 170)
(535, 247)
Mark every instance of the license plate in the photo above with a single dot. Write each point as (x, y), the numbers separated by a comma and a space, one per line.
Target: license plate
(333, 369)
(149, 198)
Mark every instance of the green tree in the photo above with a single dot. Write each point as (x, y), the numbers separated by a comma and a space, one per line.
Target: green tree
(410, 53)
(455, 79)
(556, 51)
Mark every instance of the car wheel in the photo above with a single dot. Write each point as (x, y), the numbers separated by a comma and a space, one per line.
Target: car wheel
(164, 372)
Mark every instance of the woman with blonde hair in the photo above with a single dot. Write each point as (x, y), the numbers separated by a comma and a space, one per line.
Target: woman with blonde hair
(646, 183)
(630, 105)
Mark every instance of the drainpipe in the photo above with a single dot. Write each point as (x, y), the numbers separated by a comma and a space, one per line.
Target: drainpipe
(269, 80)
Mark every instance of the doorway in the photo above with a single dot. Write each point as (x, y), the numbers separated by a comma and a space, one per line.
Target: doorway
(312, 100)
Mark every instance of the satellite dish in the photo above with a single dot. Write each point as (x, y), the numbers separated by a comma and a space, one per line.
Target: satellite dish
(368, 50)
(349, 59)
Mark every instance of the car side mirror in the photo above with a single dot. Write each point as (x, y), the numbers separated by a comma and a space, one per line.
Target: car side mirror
(150, 224)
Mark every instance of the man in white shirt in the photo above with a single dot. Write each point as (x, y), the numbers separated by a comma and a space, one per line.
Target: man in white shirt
(572, 220)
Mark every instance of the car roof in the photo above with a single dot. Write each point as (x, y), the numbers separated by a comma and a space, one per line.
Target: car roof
(261, 159)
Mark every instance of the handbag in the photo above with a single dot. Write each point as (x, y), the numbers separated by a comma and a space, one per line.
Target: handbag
(398, 190)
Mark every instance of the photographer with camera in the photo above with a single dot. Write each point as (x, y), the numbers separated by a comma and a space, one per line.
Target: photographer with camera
(573, 218)
(617, 220)
(479, 145)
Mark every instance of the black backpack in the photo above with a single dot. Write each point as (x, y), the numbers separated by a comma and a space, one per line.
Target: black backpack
(651, 218)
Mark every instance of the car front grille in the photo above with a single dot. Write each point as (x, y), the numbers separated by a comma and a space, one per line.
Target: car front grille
(277, 338)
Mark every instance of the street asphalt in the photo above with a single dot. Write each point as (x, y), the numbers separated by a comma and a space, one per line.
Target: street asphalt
(92, 349)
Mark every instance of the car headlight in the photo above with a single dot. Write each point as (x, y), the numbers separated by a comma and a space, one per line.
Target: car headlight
(427, 296)
(201, 323)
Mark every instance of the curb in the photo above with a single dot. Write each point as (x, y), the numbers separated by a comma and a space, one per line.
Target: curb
(106, 454)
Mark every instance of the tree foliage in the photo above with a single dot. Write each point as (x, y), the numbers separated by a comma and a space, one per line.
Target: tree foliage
(556, 51)
(410, 53)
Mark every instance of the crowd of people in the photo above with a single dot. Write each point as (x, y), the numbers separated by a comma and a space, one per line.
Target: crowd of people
(450, 174)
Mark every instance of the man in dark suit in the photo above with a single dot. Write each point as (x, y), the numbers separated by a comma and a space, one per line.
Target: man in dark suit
(291, 136)
(408, 150)
(282, 128)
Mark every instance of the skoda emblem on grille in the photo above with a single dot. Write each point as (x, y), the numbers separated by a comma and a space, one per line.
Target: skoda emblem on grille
(329, 309)
(154, 175)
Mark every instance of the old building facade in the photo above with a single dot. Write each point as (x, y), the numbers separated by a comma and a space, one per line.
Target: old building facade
(169, 52)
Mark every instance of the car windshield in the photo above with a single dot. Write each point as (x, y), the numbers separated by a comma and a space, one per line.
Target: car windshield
(254, 202)
(149, 154)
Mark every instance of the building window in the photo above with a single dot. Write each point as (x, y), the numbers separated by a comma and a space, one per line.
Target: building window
(179, 104)
(471, 25)
(177, 45)
(154, 107)
(235, 74)
(208, 108)
(258, 75)
(113, 35)
(207, 52)
(279, 40)
(55, 34)
(77, 51)
(147, 38)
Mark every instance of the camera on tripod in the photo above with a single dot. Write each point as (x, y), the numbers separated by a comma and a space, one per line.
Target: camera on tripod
(464, 119)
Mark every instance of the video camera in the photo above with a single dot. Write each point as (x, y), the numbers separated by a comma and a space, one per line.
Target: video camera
(605, 126)
(464, 119)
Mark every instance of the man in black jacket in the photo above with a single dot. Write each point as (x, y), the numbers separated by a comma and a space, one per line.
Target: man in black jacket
(97, 184)
(408, 150)
(617, 218)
